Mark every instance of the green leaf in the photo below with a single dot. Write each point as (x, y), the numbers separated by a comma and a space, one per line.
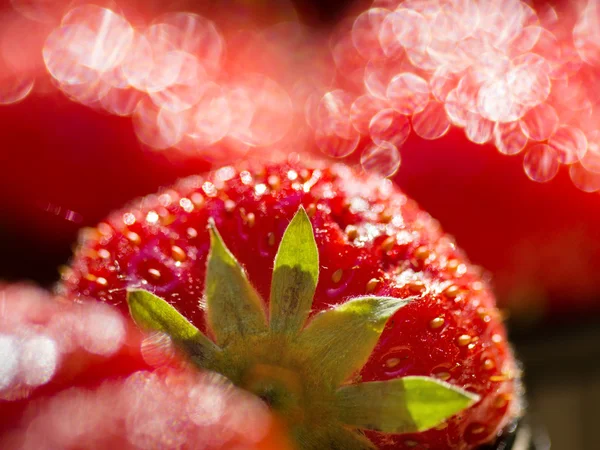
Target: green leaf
(234, 308)
(152, 313)
(295, 276)
(402, 405)
(339, 341)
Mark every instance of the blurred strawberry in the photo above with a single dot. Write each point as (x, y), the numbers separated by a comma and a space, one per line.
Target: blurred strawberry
(79, 376)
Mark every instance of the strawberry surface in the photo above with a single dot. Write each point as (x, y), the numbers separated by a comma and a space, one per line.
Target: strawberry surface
(81, 376)
(371, 239)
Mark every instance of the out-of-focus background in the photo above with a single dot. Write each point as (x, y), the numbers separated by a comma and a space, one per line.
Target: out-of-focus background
(523, 203)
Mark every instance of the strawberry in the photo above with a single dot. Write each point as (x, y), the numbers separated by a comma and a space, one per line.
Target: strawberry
(366, 297)
(81, 376)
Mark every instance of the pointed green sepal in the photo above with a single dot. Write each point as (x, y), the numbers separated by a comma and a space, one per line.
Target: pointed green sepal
(339, 341)
(403, 405)
(233, 307)
(295, 276)
(152, 313)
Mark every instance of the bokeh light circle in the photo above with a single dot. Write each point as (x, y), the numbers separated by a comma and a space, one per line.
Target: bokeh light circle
(382, 159)
(389, 126)
(541, 163)
(408, 93)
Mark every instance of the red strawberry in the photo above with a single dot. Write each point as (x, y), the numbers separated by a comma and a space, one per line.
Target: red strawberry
(371, 240)
(80, 376)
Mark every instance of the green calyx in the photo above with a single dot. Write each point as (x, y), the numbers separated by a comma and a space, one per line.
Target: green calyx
(304, 369)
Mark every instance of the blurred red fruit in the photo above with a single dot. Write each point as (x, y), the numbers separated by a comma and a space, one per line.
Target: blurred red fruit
(80, 376)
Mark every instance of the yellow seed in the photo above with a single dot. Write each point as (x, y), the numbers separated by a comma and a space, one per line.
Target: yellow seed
(192, 233)
(90, 277)
(392, 362)
(250, 219)
(154, 273)
(372, 284)
(489, 364)
(88, 234)
(388, 243)
(351, 232)
(104, 229)
(478, 429)
(463, 340)
(271, 239)
(337, 276)
(101, 281)
(385, 216)
(416, 287)
(103, 253)
(197, 198)
(89, 253)
(477, 286)
(442, 426)
(422, 253)
(483, 314)
(134, 237)
(453, 264)
(311, 210)
(498, 378)
(167, 219)
(502, 400)
(452, 291)
(436, 323)
(274, 181)
(178, 253)
(496, 338)
(65, 272)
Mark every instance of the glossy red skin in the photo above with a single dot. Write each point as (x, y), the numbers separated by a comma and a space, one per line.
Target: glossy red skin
(335, 198)
(84, 391)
